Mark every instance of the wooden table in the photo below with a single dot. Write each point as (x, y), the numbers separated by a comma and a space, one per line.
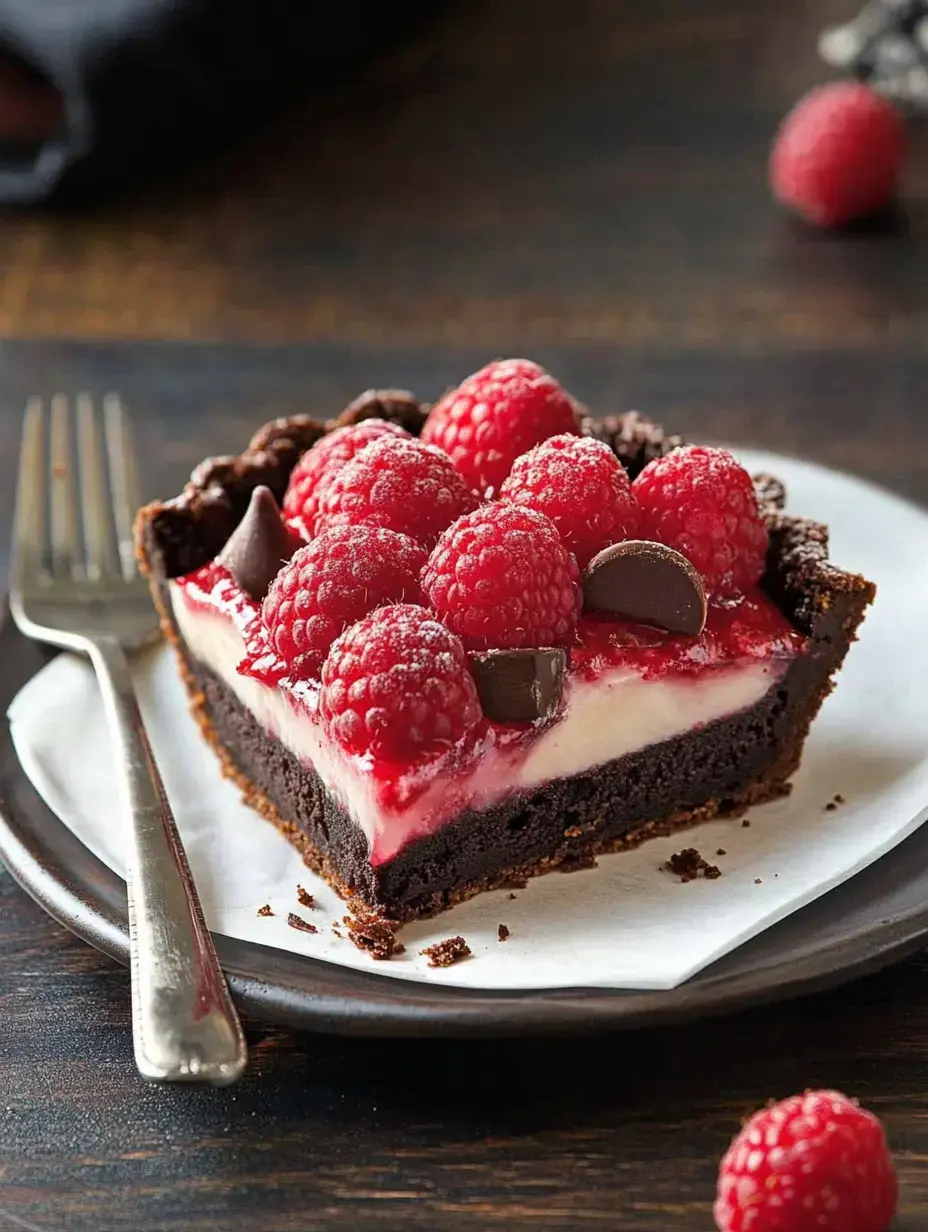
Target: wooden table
(583, 183)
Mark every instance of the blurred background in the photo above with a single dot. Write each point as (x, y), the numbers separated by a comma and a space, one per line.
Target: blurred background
(348, 205)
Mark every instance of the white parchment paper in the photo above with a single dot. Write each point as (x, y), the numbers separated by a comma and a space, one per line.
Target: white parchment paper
(623, 924)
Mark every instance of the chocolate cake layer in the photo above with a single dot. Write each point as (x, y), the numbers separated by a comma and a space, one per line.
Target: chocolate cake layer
(721, 767)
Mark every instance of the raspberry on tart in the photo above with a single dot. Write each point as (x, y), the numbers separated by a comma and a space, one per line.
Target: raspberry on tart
(401, 485)
(396, 685)
(816, 1162)
(582, 487)
(702, 502)
(327, 585)
(497, 414)
(421, 754)
(319, 465)
(502, 577)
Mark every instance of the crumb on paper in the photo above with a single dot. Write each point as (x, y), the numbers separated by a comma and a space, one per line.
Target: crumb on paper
(301, 925)
(265, 910)
(512, 896)
(305, 899)
(448, 952)
(838, 798)
(502, 933)
(372, 933)
(337, 931)
(745, 823)
(577, 864)
(688, 864)
(757, 881)
(831, 806)
(721, 852)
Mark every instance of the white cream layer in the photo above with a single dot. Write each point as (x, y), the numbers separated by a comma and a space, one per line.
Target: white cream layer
(617, 714)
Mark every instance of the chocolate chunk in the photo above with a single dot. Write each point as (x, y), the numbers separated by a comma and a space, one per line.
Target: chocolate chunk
(647, 582)
(518, 686)
(259, 545)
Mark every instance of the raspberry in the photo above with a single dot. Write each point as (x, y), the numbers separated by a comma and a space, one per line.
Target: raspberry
(318, 467)
(326, 586)
(502, 577)
(396, 685)
(403, 485)
(812, 1163)
(582, 487)
(837, 154)
(702, 502)
(496, 415)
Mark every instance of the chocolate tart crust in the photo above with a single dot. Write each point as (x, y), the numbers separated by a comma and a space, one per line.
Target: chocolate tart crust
(721, 768)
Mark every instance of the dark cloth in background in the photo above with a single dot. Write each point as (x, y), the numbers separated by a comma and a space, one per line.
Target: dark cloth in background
(148, 83)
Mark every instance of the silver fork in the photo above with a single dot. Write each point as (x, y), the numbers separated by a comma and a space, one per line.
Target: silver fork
(83, 592)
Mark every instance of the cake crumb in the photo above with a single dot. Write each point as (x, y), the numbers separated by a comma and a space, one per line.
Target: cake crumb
(301, 925)
(448, 952)
(502, 933)
(577, 864)
(374, 934)
(265, 910)
(839, 799)
(512, 897)
(305, 899)
(338, 932)
(688, 864)
(745, 823)
(721, 852)
(757, 881)
(831, 806)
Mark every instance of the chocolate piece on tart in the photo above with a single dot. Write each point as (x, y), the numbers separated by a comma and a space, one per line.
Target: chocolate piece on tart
(721, 767)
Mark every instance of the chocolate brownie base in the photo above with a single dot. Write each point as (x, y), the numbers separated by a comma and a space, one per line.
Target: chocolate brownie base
(722, 767)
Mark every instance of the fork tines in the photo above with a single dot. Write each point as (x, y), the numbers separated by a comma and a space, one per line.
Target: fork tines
(75, 507)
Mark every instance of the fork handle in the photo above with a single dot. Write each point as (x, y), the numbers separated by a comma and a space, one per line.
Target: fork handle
(184, 1025)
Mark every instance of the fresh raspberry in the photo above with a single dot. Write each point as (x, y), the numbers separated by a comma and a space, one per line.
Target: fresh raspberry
(812, 1163)
(326, 586)
(397, 685)
(837, 154)
(702, 502)
(403, 485)
(496, 415)
(317, 467)
(502, 577)
(582, 487)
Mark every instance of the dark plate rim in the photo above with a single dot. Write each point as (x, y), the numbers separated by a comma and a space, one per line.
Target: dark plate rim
(869, 922)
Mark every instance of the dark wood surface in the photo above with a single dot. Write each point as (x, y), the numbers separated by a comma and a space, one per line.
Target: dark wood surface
(583, 183)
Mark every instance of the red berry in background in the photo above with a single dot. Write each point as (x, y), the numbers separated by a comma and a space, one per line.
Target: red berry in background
(702, 502)
(502, 577)
(813, 1163)
(317, 467)
(342, 575)
(402, 485)
(582, 487)
(837, 154)
(397, 685)
(497, 414)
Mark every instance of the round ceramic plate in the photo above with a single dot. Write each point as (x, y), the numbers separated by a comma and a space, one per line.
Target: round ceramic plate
(867, 922)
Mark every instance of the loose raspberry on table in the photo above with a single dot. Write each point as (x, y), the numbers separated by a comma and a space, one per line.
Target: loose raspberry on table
(317, 467)
(340, 576)
(402, 485)
(396, 685)
(502, 577)
(838, 153)
(702, 502)
(813, 1163)
(582, 487)
(497, 414)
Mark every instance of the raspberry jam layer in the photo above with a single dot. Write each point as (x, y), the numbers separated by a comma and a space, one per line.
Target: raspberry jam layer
(628, 686)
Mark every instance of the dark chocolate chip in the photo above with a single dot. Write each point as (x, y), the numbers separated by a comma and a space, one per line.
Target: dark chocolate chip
(647, 582)
(518, 686)
(259, 545)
